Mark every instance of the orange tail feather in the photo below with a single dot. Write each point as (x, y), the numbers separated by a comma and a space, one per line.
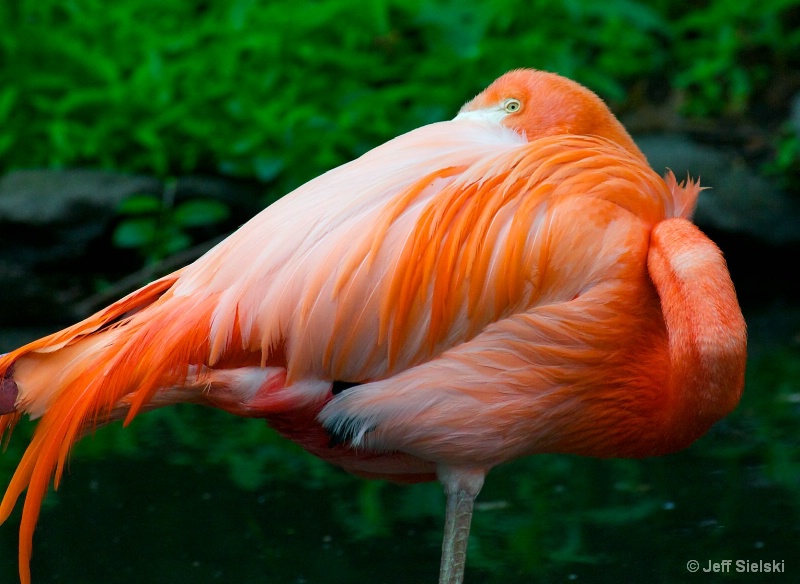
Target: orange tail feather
(77, 378)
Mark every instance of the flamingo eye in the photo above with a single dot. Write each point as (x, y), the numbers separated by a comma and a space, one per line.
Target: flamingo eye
(512, 105)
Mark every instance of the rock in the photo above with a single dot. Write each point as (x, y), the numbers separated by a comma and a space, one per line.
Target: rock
(794, 119)
(738, 199)
(47, 197)
(57, 227)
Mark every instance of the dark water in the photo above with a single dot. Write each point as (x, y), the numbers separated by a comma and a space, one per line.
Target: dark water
(193, 495)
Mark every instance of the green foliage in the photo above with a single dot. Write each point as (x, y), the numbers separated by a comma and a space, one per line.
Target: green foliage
(282, 90)
(785, 164)
(728, 50)
(158, 228)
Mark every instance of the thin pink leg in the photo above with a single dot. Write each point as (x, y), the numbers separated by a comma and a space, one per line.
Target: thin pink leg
(461, 487)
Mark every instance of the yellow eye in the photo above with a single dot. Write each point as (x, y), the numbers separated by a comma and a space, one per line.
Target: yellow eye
(512, 105)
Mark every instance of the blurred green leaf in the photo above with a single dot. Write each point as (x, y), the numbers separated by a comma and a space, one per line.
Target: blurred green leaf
(171, 240)
(266, 169)
(135, 233)
(199, 212)
(140, 205)
(8, 97)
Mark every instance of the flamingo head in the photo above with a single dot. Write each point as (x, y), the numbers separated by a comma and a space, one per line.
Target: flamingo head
(538, 104)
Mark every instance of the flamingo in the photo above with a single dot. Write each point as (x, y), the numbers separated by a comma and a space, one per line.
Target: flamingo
(514, 281)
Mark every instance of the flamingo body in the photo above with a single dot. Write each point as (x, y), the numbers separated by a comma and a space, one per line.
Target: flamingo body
(511, 282)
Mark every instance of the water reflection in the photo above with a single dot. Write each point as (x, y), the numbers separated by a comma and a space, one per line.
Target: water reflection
(194, 495)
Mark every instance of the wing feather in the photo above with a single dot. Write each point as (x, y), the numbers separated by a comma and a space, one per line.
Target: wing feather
(362, 276)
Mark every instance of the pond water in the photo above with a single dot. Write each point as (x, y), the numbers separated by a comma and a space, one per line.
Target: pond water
(194, 495)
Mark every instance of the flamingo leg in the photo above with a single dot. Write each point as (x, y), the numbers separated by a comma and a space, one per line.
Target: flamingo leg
(461, 487)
